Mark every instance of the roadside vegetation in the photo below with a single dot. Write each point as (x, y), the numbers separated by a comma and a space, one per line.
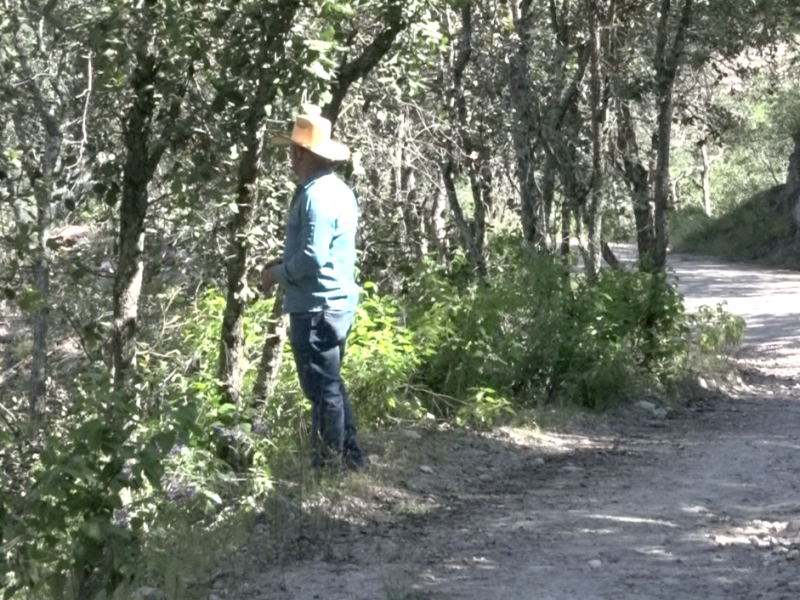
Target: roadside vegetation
(150, 418)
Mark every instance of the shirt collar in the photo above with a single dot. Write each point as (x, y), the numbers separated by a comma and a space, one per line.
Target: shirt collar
(326, 170)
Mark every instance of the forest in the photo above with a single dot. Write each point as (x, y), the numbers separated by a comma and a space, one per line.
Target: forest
(501, 149)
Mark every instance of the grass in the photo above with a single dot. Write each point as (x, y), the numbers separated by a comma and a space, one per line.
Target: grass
(411, 509)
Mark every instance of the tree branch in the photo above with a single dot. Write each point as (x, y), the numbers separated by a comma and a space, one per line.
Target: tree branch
(661, 36)
(359, 67)
(171, 115)
(574, 86)
(679, 43)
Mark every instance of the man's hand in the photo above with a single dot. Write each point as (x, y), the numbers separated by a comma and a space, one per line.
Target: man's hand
(268, 280)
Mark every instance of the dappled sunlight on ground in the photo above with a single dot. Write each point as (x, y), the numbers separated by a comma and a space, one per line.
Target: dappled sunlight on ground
(552, 441)
(701, 505)
(633, 520)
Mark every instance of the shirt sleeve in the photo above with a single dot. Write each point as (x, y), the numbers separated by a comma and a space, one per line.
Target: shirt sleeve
(316, 234)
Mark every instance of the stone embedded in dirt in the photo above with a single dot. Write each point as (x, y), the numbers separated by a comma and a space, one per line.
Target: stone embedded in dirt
(793, 554)
(792, 527)
(596, 563)
(702, 383)
(771, 559)
(412, 435)
(426, 469)
(645, 405)
(146, 593)
(757, 542)
(538, 461)
(660, 413)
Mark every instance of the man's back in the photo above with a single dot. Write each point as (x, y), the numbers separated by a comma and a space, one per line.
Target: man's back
(318, 269)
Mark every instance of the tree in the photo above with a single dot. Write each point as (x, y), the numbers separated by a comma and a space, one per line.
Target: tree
(669, 51)
(524, 124)
(473, 237)
(158, 78)
(271, 67)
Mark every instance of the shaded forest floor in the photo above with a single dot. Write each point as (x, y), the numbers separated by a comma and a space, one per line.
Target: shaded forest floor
(703, 502)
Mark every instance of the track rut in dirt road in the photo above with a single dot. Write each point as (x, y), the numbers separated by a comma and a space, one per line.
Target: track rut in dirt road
(702, 505)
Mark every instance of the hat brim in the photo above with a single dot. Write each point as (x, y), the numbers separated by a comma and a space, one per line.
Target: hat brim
(333, 151)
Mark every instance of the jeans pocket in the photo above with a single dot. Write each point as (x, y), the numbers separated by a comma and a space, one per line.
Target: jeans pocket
(338, 325)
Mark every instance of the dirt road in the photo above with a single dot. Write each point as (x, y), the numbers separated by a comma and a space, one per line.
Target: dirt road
(701, 505)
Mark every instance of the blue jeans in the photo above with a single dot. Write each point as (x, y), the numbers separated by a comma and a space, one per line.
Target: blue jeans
(318, 343)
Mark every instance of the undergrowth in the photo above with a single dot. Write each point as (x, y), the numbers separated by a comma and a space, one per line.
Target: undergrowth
(112, 486)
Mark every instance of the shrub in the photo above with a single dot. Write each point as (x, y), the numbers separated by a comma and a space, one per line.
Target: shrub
(539, 333)
(715, 331)
(92, 493)
(382, 356)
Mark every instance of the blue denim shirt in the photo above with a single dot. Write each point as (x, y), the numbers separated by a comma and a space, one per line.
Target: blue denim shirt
(319, 253)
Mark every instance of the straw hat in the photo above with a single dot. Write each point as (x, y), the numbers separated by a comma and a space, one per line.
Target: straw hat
(314, 134)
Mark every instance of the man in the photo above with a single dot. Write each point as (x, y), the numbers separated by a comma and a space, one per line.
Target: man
(317, 273)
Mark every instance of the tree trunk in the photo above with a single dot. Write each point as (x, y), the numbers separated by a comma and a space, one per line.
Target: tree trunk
(414, 227)
(566, 227)
(563, 116)
(487, 197)
(570, 171)
(436, 225)
(473, 234)
(610, 257)
(271, 353)
(41, 269)
(667, 61)
(705, 175)
(637, 180)
(661, 188)
(271, 57)
(132, 212)
(479, 221)
(45, 143)
(594, 206)
(549, 174)
(524, 129)
(142, 157)
(473, 255)
(232, 342)
(567, 207)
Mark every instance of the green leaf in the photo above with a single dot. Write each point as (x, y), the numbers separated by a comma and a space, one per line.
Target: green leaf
(213, 496)
(226, 409)
(151, 465)
(31, 301)
(92, 530)
(316, 69)
(165, 440)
